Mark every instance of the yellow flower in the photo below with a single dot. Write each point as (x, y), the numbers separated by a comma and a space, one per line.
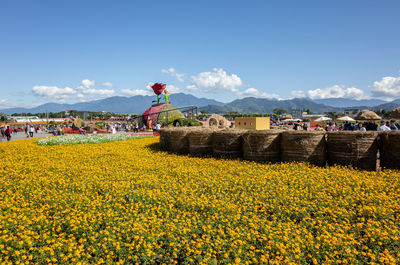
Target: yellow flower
(127, 202)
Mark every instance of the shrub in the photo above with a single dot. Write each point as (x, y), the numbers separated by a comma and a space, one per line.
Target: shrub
(100, 124)
(188, 122)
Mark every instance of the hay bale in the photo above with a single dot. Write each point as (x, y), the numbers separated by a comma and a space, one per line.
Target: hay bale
(164, 138)
(395, 114)
(389, 149)
(304, 146)
(227, 143)
(262, 145)
(356, 148)
(175, 139)
(368, 115)
(200, 142)
(91, 127)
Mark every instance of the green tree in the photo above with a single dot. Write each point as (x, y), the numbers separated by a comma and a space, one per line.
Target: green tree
(3, 117)
(279, 111)
(333, 115)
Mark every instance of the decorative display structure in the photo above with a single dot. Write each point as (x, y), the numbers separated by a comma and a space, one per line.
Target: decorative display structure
(161, 113)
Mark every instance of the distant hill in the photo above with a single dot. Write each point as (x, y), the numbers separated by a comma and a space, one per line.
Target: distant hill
(397, 101)
(349, 103)
(387, 106)
(135, 104)
(262, 105)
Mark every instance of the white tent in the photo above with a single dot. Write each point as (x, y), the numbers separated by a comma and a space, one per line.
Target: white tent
(290, 120)
(323, 119)
(345, 118)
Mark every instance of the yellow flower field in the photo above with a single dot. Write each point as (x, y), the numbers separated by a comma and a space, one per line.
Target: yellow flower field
(126, 203)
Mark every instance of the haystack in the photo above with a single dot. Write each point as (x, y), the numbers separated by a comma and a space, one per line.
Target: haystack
(200, 142)
(91, 127)
(356, 148)
(368, 115)
(304, 146)
(227, 143)
(164, 138)
(389, 149)
(262, 145)
(175, 139)
(395, 114)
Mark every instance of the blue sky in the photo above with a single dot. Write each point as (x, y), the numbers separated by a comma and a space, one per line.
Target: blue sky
(70, 51)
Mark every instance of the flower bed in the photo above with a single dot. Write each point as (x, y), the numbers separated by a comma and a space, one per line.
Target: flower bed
(127, 203)
(86, 139)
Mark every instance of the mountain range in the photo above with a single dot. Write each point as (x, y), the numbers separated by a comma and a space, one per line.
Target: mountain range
(135, 104)
(138, 104)
(349, 103)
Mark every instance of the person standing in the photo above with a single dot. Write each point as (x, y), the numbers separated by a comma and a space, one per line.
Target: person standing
(383, 127)
(31, 130)
(8, 133)
(27, 130)
(393, 126)
(157, 128)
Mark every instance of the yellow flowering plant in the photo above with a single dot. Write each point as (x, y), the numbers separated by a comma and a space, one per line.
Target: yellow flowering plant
(127, 202)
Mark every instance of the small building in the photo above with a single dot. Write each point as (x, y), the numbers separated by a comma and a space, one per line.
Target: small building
(252, 123)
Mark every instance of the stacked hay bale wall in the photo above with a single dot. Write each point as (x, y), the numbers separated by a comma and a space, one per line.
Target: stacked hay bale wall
(174, 140)
(227, 143)
(262, 145)
(200, 142)
(304, 146)
(164, 138)
(358, 149)
(389, 149)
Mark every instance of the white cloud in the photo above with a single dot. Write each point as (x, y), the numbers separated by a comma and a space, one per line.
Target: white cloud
(99, 92)
(215, 81)
(388, 87)
(87, 91)
(171, 71)
(136, 92)
(53, 92)
(84, 92)
(173, 89)
(218, 81)
(4, 103)
(253, 92)
(107, 84)
(86, 84)
(336, 92)
(332, 92)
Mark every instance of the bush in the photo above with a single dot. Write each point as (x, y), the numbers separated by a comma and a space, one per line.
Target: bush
(3, 117)
(100, 124)
(189, 122)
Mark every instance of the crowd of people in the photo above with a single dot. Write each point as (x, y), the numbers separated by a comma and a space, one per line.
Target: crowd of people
(7, 130)
(365, 126)
(347, 126)
(133, 127)
(391, 125)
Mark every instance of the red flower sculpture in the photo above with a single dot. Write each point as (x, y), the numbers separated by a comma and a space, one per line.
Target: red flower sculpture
(158, 88)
